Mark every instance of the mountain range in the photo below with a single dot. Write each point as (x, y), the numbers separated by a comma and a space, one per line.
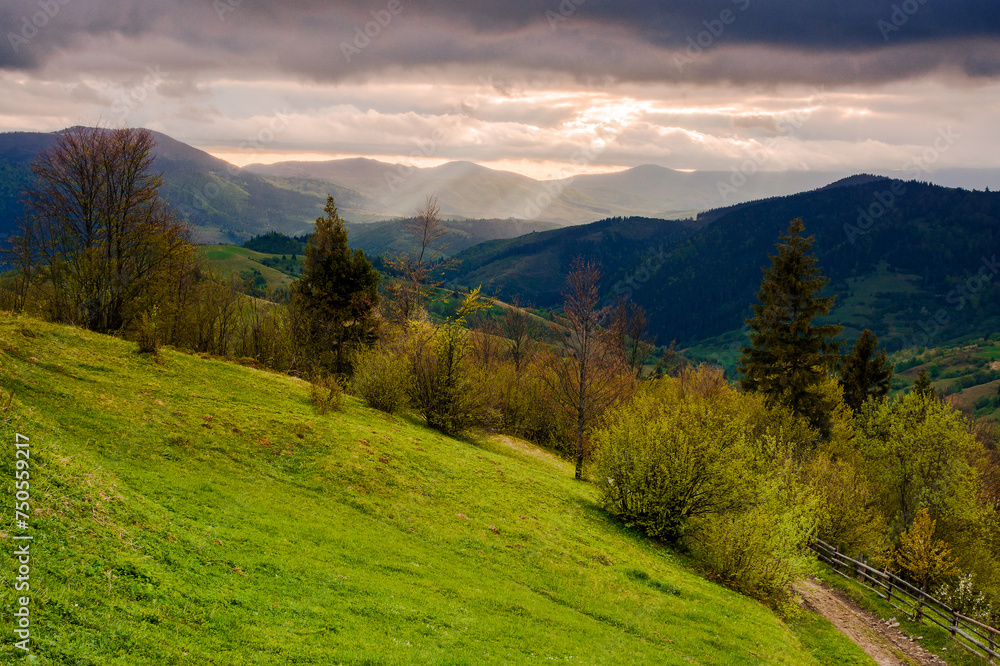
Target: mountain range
(225, 203)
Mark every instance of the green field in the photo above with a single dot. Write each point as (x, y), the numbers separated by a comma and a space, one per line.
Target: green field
(195, 511)
(229, 259)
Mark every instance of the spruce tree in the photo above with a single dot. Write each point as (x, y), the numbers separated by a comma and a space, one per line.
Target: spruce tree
(335, 300)
(866, 372)
(789, 356)
(922, 385)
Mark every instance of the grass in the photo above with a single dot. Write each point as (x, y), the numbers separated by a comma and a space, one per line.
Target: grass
(189, 510)
(932, 638)
(229, 259)
(826, 643)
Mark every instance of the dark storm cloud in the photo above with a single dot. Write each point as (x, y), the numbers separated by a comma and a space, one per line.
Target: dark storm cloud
(680, 40)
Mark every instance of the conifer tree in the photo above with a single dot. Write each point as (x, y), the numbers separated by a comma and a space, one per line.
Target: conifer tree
(866, 372)
(922, 385)
(335, 300)
(789, 356)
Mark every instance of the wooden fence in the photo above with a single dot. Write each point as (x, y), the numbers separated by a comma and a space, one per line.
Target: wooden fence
(974, 636)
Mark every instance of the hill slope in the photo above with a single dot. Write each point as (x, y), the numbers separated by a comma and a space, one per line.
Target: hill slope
(197, 511)
(220, 201)
(534, 266)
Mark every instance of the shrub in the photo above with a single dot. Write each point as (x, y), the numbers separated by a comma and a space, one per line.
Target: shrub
(380, 378)
(848, 510)
(519, 403)
(327, 394)
(962, 596)
(684, 448)
(148, 334)
(439, 386)
(759, 552)
(440, 389)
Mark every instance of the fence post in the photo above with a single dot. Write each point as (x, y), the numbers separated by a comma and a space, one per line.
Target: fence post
(888, 588)
(837, 558)
(861, 569)
(954, 623)
(919, 614)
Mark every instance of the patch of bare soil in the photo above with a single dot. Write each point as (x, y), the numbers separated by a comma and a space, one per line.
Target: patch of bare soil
(881, 640)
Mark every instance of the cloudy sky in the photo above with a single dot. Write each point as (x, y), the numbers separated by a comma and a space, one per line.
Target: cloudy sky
(540, 87)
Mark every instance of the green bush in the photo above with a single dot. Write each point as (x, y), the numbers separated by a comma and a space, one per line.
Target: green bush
(380, 379)
(519, 403)
(684, 448)
(759, 551)
(148, 333)
(327, 394)
(690, 460)
(439, 387)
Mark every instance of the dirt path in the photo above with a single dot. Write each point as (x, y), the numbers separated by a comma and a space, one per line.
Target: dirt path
(883, 642)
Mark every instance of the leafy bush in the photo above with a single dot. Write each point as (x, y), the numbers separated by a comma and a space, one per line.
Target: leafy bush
(148, 333)
(327, 394)
(962, 595)
(380, 378)
(690, 460)
(519, 403)
(762, 550)
(439, 387)
(848, 511)
(686, 447)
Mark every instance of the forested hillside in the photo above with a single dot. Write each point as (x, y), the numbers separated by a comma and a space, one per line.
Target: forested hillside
(532, 266)
(905, 259)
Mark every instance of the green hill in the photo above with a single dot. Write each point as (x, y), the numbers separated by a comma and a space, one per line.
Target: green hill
(189, 510)
(222, 203)
(229, 259)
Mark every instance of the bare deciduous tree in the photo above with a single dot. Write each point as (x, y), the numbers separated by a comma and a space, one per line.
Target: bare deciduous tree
(520, 331)
(100, 241)
(628, 323)
(591, 373)
(427, 231)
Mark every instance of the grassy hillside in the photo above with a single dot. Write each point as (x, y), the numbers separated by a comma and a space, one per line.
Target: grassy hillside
(195, 511)
(968, 373)
(229, 259)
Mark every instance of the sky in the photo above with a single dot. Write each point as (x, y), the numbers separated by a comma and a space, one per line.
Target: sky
(548, 88)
